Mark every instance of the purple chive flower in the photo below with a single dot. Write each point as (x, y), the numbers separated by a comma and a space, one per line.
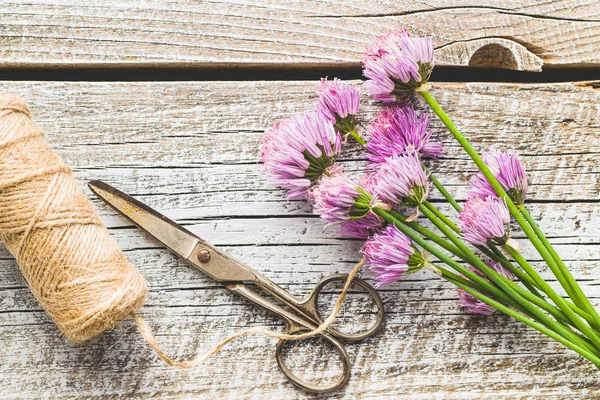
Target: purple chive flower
(509, 172)
(364, 227)
(297, 151)
(472, 303)
(397, 130)
(338, 199)
(337, 100)
(396, 64)
(483, 221)
(391, 255)
(402, 180)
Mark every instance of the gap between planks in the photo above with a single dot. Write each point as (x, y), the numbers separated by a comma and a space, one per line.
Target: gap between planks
(272, 72)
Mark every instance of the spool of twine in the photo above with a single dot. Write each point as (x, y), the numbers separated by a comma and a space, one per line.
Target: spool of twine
(74, 268)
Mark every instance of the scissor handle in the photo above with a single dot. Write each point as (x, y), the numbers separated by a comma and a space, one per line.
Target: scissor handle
(312, 304)
(311, 386)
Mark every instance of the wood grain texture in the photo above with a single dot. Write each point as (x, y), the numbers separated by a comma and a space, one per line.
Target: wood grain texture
(190, 149)
(522, 34)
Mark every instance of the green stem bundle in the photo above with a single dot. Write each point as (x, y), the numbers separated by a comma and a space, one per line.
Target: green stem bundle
(542, 246)
(529, 313)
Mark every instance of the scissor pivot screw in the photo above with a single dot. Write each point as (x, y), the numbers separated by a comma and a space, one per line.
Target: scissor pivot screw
(204, 256)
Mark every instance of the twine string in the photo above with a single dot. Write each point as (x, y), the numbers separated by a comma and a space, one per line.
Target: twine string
(146, 331)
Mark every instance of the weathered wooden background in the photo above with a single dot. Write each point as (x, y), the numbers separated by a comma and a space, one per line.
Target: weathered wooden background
(191, 150)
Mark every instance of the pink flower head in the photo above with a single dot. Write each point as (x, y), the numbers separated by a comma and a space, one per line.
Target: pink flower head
(390, 255)
(396, 64)
(397, 130)
(337, 199)
(509, 172)
(363, 227)
(297, 151)
(402, 180)
(337, 100)
(485, 220)
(472, 303)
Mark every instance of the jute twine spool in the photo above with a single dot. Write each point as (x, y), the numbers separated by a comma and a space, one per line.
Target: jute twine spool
(75, 269)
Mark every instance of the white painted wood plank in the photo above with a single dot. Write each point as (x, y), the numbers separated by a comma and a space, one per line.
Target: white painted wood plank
(209, 126)
(522, 34)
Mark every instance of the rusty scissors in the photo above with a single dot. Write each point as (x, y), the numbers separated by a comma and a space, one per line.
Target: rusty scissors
(238, 278)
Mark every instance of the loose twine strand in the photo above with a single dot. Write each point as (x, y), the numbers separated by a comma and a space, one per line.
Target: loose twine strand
(146, 331)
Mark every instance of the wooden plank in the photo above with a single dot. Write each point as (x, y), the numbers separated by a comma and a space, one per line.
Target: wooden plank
(523, 35)
(202, 129)
(190, 149)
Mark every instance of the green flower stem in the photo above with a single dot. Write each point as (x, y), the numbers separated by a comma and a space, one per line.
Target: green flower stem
(453, 278)
(558, 300)
(497, 255)
(438, 185)
(484, 283)
(428, 234)
(513, 299)
(567, 282)
(528, 281)
(509, 287)
(538, 326)
(357, 137)
(559, 315)
(457, 252)
(441, 216)
(520, 274)
(584, 302)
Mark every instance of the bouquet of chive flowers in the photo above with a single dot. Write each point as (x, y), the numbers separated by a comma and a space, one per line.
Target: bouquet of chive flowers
(299, 155)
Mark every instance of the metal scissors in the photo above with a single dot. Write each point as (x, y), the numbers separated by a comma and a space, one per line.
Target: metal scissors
(238, 277)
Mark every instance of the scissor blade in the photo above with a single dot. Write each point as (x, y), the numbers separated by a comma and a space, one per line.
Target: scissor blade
(172, 235)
